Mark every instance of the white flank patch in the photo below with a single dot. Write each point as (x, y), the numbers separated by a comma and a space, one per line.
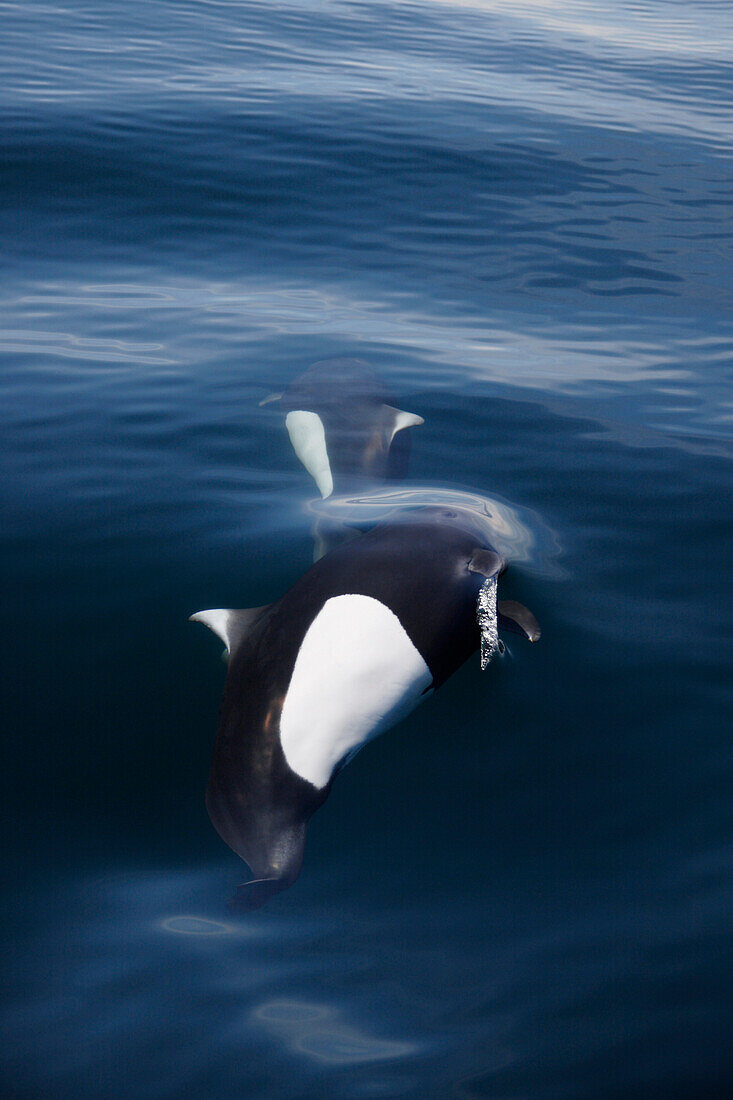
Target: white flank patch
(309, 443)
(357, 673)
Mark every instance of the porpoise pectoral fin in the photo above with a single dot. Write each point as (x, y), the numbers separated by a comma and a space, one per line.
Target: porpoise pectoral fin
(486, 562)
(251, 895)
(229, 623)
(397, 419)
(517, 618)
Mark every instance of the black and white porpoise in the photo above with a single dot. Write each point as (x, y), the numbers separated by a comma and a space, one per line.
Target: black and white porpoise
(342, 427)
(360, 639)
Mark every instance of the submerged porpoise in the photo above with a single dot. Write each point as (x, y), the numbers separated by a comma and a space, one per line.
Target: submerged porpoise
(342, 426)
(360, 639)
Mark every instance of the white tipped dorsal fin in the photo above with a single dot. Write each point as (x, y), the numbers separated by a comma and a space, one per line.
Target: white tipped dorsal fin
(397, 419)
(229, 623)
(271, 397)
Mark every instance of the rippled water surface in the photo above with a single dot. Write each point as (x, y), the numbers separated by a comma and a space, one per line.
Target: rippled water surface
(519, 214)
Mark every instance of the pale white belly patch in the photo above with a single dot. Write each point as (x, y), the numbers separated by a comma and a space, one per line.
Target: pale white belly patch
(356, 674)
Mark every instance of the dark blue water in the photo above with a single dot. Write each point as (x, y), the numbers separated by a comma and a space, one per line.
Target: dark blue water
(519, 214)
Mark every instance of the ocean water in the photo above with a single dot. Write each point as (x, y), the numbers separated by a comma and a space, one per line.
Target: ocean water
(519, 214)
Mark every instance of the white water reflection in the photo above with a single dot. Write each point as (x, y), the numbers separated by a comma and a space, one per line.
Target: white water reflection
(124, 961)
(645, 27)
(543, 353)
(518, 534)
(318, 1031)
(198, 926)
(255, 63)
(68, 345)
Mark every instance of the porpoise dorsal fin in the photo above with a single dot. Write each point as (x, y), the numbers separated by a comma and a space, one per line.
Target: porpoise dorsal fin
(229, 623)
(486, 562)
(270, 399)
(519, 619)
(397, 419)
